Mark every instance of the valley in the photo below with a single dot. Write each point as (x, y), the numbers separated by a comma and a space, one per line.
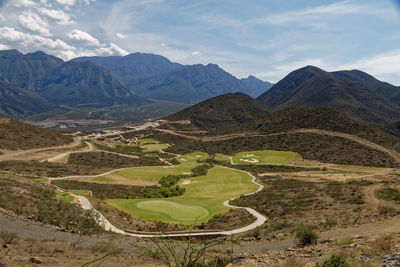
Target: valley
(173, 133)
(140, 185)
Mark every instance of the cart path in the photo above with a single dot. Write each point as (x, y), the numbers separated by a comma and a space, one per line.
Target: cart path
(393, 153)
(106, 225)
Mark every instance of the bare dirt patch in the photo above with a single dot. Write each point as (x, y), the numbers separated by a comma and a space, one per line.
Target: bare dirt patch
(118, 179)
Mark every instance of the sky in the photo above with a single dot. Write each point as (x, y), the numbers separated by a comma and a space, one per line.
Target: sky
(264, 38)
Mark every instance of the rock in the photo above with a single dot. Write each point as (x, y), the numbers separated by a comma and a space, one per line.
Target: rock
(353, 245)
(35, 260)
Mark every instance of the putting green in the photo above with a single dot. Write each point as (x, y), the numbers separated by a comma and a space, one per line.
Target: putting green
(181, 212)
(203, 198)
(265, 157)
(188, 162)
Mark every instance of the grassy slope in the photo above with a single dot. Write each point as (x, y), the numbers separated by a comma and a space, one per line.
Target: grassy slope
(188, 162)
(265, 156)
(311, 146)
(203, 193)
(18, 135)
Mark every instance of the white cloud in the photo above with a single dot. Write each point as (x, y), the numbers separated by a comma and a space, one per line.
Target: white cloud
(31, 21)
(3, 47)
(120, 35)
(57, 15)
(22, 3)
(67, 2)
(87, 2)
(83, 38)
(74, 2)
(381, 64)
(195, 53)
(10, 35)
(309, 16)
(113, 49)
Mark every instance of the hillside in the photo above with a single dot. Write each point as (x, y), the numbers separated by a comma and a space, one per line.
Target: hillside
(84, 83)
(133, 67)
(313, 87)
(323, 119)
(16, 102)
(16, 135)
(385, 89)
(222, 113)
(190, 84)
(157, 77)
(39, 83)
(24, 71)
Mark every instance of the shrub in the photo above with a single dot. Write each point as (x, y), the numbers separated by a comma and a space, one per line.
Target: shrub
(170, 180)
(330, 222)
(334, 261)
(8, 237)
(380, 245)
(201, 170)
(306, 236)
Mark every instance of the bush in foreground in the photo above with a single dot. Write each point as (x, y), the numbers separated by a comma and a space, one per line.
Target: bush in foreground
(334, 261)
(306, 236)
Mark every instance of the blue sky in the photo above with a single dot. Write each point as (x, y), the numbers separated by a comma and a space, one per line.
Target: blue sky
(265, 38)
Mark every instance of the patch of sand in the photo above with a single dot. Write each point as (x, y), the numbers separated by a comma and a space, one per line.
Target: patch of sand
(250, 160)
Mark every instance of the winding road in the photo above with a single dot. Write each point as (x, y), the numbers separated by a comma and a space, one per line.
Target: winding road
(394, 154)
(106, 225)
(8, 154)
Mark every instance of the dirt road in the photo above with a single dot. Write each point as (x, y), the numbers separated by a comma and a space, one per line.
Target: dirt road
(394, 154)
(22, 154)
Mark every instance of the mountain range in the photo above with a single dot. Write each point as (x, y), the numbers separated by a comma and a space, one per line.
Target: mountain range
(36, 82)
(156, 77)
(354, 93)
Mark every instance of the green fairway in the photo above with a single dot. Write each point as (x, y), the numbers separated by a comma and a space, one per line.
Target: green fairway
(64, 196)
(188, 162)
(203, 198)
(264, 157)
(41, 180)
(147, 141)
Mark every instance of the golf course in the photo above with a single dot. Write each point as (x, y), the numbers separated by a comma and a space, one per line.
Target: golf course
(203, 198)
(187, 163)
(149, 145)
(264, 157)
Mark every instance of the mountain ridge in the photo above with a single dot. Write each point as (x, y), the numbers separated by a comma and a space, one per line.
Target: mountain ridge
(312, 87)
